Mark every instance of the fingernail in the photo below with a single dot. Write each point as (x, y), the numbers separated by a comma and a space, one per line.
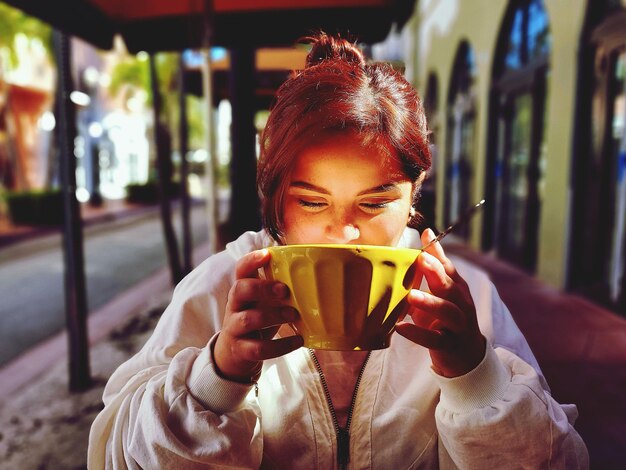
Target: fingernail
(280, 290)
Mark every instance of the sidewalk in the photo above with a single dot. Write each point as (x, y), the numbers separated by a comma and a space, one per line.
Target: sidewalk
(581, 348)
(44, 426)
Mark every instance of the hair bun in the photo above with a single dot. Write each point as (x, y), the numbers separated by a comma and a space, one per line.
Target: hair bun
(326, 47)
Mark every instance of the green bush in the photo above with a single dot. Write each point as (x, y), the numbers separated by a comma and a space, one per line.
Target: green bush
(39, 207)
(148, 193)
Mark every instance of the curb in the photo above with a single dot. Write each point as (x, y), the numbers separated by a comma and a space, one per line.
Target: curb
(23, 370)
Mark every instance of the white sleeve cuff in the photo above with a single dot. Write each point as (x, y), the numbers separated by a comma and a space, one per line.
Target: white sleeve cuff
(479, 388)
(214, 392)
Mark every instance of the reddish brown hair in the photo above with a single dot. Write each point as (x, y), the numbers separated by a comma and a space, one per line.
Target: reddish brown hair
(338, 91)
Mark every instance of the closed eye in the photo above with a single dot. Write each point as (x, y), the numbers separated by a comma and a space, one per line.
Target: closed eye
(312, 204)
(375, 205)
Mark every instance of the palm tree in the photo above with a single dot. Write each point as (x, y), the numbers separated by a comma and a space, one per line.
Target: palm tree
(14, 22)
(159, 79)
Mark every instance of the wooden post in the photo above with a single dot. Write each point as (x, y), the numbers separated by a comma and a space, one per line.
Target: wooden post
(244, 208)
(184, 171)
(164, 168)
(75, 286)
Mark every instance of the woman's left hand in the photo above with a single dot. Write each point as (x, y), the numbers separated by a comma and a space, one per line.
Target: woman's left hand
(445, 318)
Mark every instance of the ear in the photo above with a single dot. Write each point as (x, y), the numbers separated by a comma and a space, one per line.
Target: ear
(417, 184)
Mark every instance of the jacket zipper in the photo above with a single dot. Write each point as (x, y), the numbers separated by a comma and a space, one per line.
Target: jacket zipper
(343, 434)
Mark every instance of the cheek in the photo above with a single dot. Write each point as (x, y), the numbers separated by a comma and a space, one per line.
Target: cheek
(385, 229)
(300, 228)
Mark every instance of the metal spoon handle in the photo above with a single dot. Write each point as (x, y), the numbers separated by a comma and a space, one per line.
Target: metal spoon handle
(461, 220)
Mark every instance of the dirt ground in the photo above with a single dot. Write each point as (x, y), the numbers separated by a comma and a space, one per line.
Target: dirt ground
(44, 426)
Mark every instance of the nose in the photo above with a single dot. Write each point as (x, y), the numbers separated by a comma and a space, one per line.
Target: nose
(342, 229)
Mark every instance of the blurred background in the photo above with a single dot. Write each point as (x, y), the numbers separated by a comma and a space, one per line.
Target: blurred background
(128, 146)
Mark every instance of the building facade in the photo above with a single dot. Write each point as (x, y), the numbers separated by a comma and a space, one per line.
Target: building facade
(526, 103)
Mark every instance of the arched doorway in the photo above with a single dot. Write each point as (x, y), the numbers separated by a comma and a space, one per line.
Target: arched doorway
(599, 160)
(428, 192)
(461, 118)
(517, 127)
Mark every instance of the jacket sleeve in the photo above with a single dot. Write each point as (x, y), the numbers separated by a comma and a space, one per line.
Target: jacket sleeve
(151, 419)
(501, 414)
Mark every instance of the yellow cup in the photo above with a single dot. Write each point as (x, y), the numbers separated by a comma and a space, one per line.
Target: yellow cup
(349, 296)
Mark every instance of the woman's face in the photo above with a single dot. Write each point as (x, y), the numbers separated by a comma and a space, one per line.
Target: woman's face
(343, 192)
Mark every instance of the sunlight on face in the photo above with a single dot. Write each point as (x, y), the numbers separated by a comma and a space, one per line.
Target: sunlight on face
(343, 192)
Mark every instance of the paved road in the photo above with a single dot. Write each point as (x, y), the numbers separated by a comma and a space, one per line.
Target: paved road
(117, 255)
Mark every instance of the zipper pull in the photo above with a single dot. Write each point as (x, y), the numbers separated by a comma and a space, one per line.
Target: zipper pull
(343, 447)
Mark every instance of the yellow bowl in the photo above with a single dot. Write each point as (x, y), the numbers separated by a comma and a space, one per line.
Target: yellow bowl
(349, 296)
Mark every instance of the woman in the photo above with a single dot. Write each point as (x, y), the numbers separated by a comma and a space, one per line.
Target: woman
(224, 382)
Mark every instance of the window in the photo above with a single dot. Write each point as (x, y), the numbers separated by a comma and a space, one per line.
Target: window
(428, 192)
(516, 153)
(599, 161)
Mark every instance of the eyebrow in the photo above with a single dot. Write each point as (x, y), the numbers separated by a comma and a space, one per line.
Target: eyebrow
(382, 188)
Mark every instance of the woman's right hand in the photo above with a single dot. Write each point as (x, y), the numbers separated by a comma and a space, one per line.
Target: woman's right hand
(254, 312)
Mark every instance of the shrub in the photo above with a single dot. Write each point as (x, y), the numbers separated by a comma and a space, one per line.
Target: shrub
(38, 207)
(148, 193)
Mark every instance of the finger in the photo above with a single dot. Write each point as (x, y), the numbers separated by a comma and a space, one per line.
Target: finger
(253, 320)
(427, 308)
(249, 264)
(431, 339)
(438, 280)
(428, 236)
(442, 285)
(247, 292)
(259, 349)
(438, 252)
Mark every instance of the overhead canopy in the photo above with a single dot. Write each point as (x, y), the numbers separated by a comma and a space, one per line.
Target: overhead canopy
(272, 68)
(159, 25)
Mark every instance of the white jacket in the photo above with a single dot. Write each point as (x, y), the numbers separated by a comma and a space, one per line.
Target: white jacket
(166, 408)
